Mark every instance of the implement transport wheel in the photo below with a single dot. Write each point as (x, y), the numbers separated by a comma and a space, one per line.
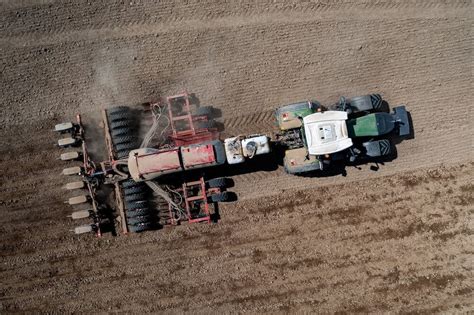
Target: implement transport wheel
(220, 182)
(203, 111)
(134, 197)
(224, 196)
(205, 124)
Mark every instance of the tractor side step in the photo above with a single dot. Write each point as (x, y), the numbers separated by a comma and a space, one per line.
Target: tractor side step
(64, 127)
(82, 214)
(70, 156)
(76, 170)
(78, 200)
(75, 185)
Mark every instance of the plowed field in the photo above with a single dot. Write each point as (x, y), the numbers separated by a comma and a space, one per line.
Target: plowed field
(399, 239)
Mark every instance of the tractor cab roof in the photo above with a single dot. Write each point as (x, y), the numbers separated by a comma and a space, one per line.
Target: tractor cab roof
(326, 132)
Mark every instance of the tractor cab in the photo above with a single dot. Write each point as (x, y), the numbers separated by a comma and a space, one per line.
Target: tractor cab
(326, 132)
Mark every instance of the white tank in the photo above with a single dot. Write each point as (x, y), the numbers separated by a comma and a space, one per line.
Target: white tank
(233, 150)
(237, 149)
(255, 145)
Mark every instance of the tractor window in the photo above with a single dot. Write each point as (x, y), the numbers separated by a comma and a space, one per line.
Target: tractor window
(303, 136)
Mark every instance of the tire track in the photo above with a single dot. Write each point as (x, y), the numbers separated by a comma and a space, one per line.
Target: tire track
(117, 27)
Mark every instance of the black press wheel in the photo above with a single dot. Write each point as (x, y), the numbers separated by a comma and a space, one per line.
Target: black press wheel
(134, 190)
(119, 124)
(131, 183)
(139, 219)
(118, 110)
(124, 140)
(120, 132)
(141, 227)
(119, 116)
(133, 213)
(135, 197)
(139, 204)
(125, 146)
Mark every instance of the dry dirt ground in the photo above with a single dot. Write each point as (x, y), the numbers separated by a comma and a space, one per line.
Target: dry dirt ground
(400, 239)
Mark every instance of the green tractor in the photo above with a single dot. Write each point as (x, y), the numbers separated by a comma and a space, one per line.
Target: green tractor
(358, 129)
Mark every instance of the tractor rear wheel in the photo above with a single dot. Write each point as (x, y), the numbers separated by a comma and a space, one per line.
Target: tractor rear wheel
(372, 102)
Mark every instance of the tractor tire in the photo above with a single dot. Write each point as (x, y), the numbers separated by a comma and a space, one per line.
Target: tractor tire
(138, 204)
(125, 147)
(141, 227)
(139, 219)
(205, 124)
(131, 183)
(224, 196)
(119, 116)
(203, 111)
(133, 197)
(118, 109)
(120, 132)
(134, 190)
(372, 102)
(220, 182)
(124, 140)
(137, 212)
(119, 124)
(122, 154)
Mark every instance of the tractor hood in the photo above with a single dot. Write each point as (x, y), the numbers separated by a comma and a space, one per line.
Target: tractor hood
(326, 132)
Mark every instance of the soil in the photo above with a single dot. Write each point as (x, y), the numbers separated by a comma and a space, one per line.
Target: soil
(396, 240)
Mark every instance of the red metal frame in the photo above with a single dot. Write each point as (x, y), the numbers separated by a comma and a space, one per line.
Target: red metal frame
(204, 214)
(88, 169)
(190, 134)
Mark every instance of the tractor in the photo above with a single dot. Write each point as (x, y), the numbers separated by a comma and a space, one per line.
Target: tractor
(359, 129)
(166, 180)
